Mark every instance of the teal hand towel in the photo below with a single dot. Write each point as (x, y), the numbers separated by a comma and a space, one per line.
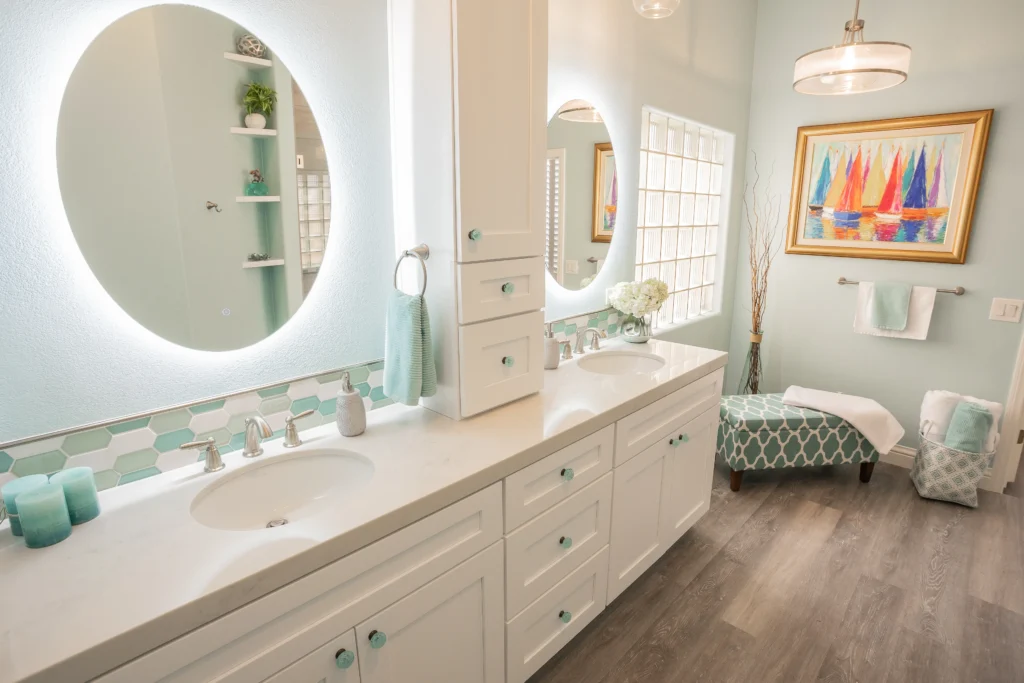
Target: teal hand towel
(409, 370)
(890, 306)
(969, 427)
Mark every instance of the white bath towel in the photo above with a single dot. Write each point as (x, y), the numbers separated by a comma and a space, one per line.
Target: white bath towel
(922, 301)
(876, 423)
(937, 410)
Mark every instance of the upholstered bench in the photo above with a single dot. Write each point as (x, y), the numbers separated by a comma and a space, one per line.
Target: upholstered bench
(758, 432)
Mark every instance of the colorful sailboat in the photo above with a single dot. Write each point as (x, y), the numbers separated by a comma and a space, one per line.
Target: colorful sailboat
(890, 206)
(938, 199)
(915, 204)
(817, 200)
(835, 191)
(874, 184)
(908, 173)
(850, 206)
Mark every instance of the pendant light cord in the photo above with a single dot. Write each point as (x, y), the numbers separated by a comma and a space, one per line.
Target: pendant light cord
(854, 27)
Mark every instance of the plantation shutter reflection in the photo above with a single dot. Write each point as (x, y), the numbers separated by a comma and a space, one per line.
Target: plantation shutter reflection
(554, 257)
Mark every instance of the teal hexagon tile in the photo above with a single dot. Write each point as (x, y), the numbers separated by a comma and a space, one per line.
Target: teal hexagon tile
(382, 403)
(592, 323)
(558, 327)
(130, 462)
(377, 394)
(612, 329)
(106, 479)
(207, 407)
(221, 436)
(329, 407)
(138, 474)
(5, 462)
(603, 315)
(43, 463)
(359, 374)
(128, 425)
(377, 365)
(168, 422)
(277, 404)
(570, 329)
(273, 391)
(329, 377)
(363, 389)
(310, 403)
(83, 442)
(236, 442)
(172, 440)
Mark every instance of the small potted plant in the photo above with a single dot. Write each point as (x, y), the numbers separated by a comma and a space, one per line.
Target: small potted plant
(638, 301)
(256, 186)
(259, 102)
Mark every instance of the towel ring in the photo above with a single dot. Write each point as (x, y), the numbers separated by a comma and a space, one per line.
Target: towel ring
(421, 253)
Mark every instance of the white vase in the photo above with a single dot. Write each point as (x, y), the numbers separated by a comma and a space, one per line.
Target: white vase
(257, 121)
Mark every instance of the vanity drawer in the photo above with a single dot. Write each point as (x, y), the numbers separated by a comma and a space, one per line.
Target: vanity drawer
(539, 632)
(500, 288)
(635, 433)
(534, 489)
(501, 360)
(544, 551)
(322, 665)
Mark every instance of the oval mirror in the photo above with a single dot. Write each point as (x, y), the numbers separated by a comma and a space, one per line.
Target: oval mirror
(194, 177)
(582, 195)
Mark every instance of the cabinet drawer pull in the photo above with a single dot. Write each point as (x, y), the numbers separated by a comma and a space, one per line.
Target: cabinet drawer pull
(684, 437)
(378, 639)
(475, 235)
(508, 288)
(567, 473)
(344, 659)
(565, 616)
(565, 542)
(671, 442)
(508, 361)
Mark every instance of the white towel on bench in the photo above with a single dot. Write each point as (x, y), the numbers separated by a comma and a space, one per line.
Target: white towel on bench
(876, 423)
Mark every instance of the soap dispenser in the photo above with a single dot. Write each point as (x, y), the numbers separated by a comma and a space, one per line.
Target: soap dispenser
(551, 348)
(350, 412)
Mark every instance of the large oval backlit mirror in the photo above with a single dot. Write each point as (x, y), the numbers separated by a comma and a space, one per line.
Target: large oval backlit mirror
(583, 194)
(194, 177)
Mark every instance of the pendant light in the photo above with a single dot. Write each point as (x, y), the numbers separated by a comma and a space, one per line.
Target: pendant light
(579, 111)
(853, 66)
(655, 9)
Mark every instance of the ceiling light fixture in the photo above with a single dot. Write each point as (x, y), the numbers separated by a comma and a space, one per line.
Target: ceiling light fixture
(579, 111)
(853, 66)
(655, 9)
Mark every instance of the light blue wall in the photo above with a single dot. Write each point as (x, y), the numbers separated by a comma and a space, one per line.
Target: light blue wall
(965, 57)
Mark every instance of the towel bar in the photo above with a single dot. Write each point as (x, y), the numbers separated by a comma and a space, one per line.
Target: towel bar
(959, 291)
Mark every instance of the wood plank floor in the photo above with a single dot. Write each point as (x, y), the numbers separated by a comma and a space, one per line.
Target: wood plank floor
(809, 575)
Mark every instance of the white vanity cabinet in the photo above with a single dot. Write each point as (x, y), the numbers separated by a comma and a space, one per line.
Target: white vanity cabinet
(335, 662)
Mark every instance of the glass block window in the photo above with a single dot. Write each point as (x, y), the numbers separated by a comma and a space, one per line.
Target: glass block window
(314, 190)
(554, 218)
(680, 214)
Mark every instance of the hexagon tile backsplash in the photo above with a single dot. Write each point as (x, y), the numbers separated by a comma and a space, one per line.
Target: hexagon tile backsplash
(141, 447)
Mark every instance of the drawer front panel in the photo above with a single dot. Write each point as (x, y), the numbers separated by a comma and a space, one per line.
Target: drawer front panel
(501, 360)
(321, 665)
(545, 550)
(643, 428)
(536, 488)
(539, 632)
(500, 288)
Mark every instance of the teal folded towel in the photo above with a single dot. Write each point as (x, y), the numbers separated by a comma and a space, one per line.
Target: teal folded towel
(409, 371)
(890, 306)
(969, 427)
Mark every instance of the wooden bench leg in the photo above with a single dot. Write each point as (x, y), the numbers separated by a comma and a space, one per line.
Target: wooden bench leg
(866, 468)
(735, 479)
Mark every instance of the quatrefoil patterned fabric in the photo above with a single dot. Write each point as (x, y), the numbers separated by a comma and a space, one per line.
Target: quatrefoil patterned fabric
(758, 432)
(943, 473)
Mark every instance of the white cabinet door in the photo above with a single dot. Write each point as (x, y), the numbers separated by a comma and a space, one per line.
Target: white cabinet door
(687, 490)
(502, 360)
(449, 631)
(335, 662)
(638, 516)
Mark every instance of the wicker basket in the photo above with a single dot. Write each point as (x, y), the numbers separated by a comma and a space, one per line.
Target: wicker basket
(944, 473)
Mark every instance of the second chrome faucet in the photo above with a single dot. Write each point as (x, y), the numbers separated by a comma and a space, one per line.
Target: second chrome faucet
(256, 429)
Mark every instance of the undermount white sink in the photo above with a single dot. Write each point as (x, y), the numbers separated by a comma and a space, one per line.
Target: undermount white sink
(287, 488)
(621, 362)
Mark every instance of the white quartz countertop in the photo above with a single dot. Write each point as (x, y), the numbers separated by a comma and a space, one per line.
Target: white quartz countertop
(145, 572)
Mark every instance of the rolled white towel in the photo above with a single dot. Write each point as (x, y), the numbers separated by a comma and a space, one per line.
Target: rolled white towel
(936, 412)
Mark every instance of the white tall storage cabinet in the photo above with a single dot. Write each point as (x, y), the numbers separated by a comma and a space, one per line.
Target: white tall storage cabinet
(469, 102)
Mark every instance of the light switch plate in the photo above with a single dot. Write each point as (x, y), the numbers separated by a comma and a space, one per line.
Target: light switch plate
(572, 266)
(1006, 310)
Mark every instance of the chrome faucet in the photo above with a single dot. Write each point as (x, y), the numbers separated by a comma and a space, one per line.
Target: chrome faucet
(291, 434)
(256, 429)
(566, 350)
(214, 463)
(581, 337)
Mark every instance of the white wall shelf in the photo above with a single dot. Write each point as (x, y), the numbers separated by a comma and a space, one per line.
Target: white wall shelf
(258, 200)
(270, 263)
(261, 132)
(252, 62)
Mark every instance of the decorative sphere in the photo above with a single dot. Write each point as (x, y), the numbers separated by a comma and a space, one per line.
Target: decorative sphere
(251, 46)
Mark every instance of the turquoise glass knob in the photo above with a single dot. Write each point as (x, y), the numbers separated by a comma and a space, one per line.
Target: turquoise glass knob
(475, 235)
(565, 542)
(508, 288)
(567, 473)
(671, 442)
(508, 361)
(378, 639)
(565, 616)
(684, 437)
(344, 659)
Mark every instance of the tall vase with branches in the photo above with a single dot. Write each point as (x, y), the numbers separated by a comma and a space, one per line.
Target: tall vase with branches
(762, 212)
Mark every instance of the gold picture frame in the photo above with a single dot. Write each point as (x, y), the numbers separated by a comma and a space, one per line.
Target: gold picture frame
(907, 191)
(605, 193)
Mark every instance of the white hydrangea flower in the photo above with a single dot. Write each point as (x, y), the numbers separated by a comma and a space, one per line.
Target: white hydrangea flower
(638, 299)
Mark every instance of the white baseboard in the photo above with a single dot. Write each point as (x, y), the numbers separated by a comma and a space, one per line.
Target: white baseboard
(903, 456)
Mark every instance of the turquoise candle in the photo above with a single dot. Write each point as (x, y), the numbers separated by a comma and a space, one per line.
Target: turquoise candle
(43, 513)
(11, 489)
(79, 486)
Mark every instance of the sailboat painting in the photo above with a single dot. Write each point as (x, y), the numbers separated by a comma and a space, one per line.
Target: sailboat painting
(899, 189)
